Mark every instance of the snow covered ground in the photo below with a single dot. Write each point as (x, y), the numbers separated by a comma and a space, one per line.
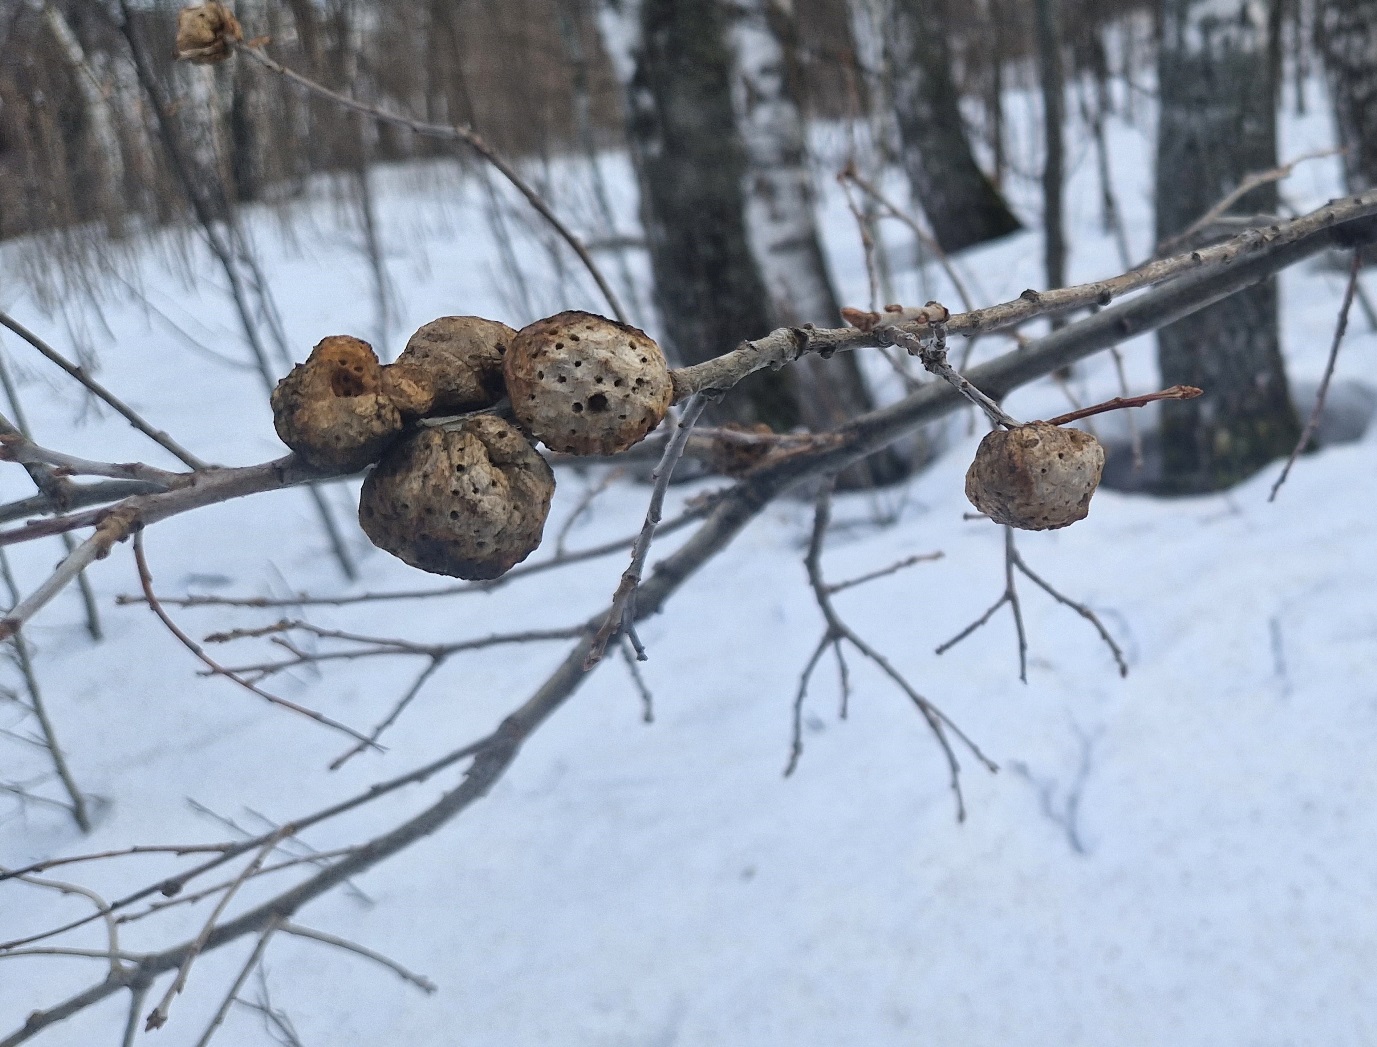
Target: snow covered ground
(1184, 856)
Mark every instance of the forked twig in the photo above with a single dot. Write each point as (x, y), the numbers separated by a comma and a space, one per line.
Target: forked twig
(1013, 560)
(837, 631)
(124, 410)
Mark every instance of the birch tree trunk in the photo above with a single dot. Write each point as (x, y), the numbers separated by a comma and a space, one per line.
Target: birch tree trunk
(780, 217)
(710, 249)
(97, 106)
(1218, 124)
(961, 203)
(1347, 36)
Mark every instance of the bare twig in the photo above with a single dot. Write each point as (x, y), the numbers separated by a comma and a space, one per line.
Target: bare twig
(623, 612)
(1313, 422)
(420, 981)
(585, 503)
(114, 527)
(80, 814)
(230, 997)
(448, 132)
(1119, 403)
(1253, 181)
(79, 373)
(146, 580)
(906, 562)
(1013, 560)
(850, 174)
(932, 352)
(157, 1017)
(837, 631)
(633, 668)
(57, 489)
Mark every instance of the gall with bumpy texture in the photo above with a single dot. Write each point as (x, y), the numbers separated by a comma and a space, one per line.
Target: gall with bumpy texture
(1036, 476)
(462, 357)
(584, 384)
(468, 502)
(332, 410)
(206, 33)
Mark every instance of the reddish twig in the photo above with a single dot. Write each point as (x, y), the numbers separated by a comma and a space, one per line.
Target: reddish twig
(1119, 403)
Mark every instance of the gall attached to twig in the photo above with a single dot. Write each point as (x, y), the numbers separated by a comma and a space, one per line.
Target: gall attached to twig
(468, 501)
(207, 33)
(584, 384)
(1036, 476)
(462, 356)
(341, 409)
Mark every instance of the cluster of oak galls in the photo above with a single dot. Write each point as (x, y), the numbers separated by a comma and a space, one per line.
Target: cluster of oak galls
(468, 496)
(458, 489)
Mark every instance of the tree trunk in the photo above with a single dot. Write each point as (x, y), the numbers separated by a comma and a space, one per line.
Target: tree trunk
(1347, 36)
(1218, 124)
(1052, 74)
(710, 249)
(779, 211)
(961, 203)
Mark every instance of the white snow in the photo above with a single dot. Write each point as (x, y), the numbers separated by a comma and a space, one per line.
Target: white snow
(632, 884)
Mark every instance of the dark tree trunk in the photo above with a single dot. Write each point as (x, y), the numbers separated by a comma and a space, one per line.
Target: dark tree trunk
(1218, 124)
(693, 167)
(961, 203)
(1347, 35)
(1052, 74)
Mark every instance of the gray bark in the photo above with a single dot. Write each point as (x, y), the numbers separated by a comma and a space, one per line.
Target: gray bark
(961, 203)
(780, 221)
(1347, 35)
(1217, 72)
(692, 161)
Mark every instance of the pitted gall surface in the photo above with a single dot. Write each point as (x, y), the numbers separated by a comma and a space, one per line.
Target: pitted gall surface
(583, 384)
(462, 357)
(332, 409)
(205, 33)
(1036, 477)
(468, 502)
(409, 387)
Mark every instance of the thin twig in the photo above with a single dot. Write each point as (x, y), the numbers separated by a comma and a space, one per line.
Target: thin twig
(23, 657)
(850, 174)
(893, 568)
(157, 1017)
(932, 353)
(146, 580)
(836, 631)
(243, 976)
(420, 981)
(79, 373)
(623, 609)
(1176, 392)
(633, 668)
(1246, 186)
(113, 528)
(1013, 560)
(1313, 422)
(452, 133)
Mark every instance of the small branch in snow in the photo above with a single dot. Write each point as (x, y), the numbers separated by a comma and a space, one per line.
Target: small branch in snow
(1013, 560)
(448, 132)
(1313, 422)
(836, 632)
